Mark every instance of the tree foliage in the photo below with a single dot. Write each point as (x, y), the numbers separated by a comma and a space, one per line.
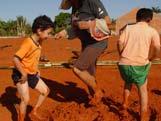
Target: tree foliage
(62, 20)
(156, 9)
(8, 28)
(21, 25)
(18, 27)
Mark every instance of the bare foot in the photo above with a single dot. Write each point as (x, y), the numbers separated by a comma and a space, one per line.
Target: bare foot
(37, 116)
(21, 117)
(97, 97)
(144, 116)
(124, 113)
(124, 106)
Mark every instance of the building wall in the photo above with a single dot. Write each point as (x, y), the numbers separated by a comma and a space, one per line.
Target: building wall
(130, 18)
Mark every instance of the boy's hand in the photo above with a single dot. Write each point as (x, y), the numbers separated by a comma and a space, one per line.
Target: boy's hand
(61, 34)
(23, 78)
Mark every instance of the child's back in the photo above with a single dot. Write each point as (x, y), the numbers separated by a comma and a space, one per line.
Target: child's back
(136, 40)
(135, 43)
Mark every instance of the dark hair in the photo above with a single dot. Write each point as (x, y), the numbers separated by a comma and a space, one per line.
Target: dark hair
(42, 22)
(144, 14)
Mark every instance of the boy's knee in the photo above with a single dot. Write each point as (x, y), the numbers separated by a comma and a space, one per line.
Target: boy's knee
(76, 70)
(26, 100)
(46, 92)
(143, 88)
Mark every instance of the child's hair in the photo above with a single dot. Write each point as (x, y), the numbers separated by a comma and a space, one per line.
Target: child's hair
(42, 22)
(144, 14)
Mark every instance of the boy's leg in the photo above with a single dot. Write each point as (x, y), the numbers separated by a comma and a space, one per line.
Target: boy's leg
(126, 93)
(23, 90)
(143, 101)
(91, 83)
(44, 91)
(127, 89)
(85, 77)
(84, 67)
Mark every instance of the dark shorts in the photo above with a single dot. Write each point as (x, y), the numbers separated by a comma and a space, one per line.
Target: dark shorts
(32, 78)
(134, 74)
(88, 58)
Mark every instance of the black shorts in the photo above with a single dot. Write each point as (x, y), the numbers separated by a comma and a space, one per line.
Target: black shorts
(32, 78)
(87, 59)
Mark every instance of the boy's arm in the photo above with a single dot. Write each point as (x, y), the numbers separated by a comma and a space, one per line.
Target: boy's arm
(69, 33)
(83, 24)
(99, 12)
(87, 24)
(20, 54)
(121, 41)
(155, 47)
(119, 47)
(17, 64)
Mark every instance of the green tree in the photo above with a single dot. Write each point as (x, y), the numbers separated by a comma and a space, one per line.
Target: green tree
(8, 28)
(2, 30)
(21, 25)
(28, 29)
(156, 9)
(16, 27)
(62, 21)
(11, 28)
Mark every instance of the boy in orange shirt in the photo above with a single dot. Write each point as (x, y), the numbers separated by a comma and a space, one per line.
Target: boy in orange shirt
(134, 46)
(26, 73)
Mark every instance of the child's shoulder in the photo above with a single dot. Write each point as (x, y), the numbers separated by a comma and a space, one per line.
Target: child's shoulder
(27, 39)
(153, 30)
(129, 25)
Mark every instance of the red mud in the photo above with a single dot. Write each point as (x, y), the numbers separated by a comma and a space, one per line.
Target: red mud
(68, 98)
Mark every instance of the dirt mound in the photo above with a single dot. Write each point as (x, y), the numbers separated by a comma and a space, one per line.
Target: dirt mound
(75, 112)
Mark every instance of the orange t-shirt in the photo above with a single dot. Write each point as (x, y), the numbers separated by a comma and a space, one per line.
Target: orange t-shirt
(29, 54)
(136, 40)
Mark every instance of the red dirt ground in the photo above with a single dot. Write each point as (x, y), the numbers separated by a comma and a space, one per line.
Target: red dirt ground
(68, 99)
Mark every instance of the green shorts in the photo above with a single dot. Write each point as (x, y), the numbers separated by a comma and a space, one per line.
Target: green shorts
(134, 74)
